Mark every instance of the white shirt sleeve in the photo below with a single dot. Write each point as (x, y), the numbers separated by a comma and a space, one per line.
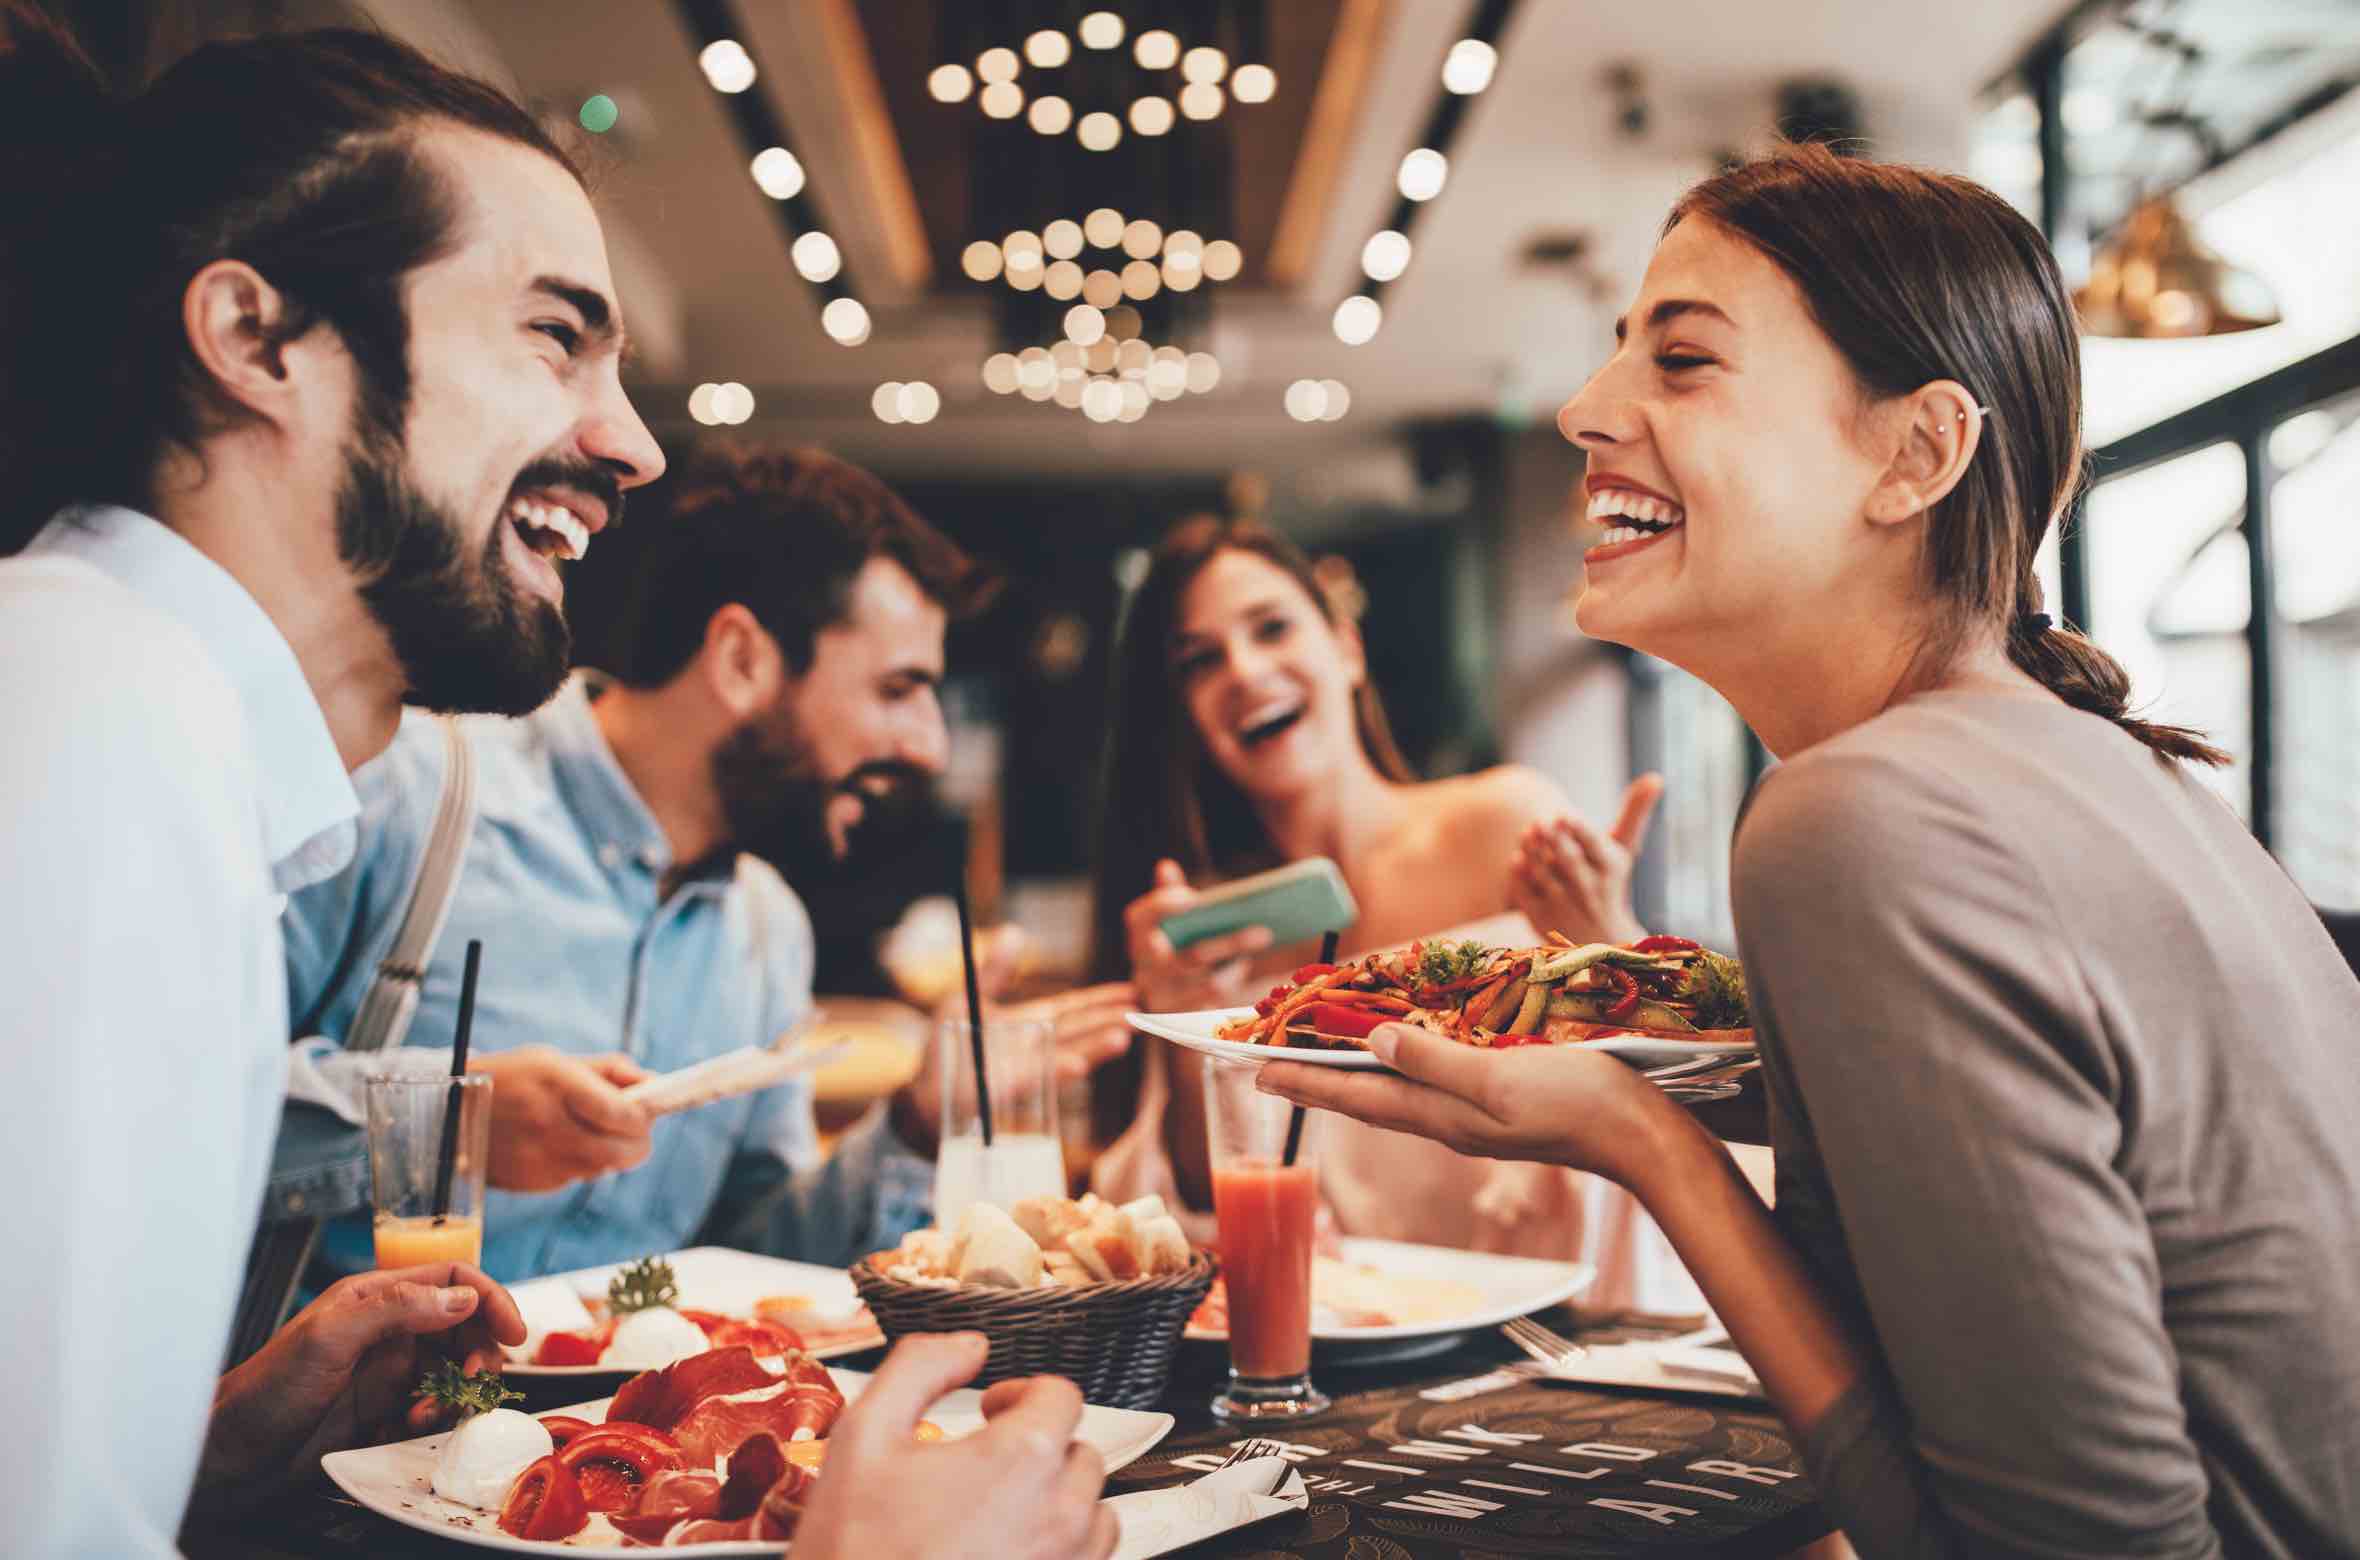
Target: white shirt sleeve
(140, 956)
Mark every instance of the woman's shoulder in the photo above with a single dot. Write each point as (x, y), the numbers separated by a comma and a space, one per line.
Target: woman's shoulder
(1501, 800)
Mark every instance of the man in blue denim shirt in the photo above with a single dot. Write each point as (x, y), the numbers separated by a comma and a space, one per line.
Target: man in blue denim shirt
(789, 644)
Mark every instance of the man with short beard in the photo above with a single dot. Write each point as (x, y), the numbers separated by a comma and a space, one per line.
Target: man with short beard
(788, 646)
(309, 368)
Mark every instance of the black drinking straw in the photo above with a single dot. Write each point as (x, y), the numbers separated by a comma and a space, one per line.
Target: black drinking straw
(1327, 955)
(450, 1135)
(983, 1087)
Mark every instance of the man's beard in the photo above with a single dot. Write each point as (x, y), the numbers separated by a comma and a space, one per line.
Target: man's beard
(469, 640)
(775, 800)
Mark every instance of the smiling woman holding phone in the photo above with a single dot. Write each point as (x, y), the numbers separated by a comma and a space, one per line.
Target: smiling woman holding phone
(2059, 1061)
(1247, 736)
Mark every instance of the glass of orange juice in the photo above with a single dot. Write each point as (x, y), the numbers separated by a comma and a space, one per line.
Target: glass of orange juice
(407, 1125)
(1266, 1208)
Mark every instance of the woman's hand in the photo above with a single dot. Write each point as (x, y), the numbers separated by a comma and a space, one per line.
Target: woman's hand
(1212, 973)
(1558, 1104)
(1567, 877)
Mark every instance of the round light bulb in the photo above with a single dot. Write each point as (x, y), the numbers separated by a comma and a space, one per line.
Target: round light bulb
(1023, 248)
(1253, 84)
(700, 404)
(1027, 278)
(733, 403)
(919, 402)
(1002, 100)
(1204, 372)
(1468, 68)
(726, 65)
(1034, 366)
(1048, 48)
(1151, 115)
(997, 65)
(1140, 280)
(1132, 358)
(1385, 256)
(1223, 260)
(1202, 100)
(846, 320)
(1357, 319)
(999, 373)
(777, 173)
(1122, 323)
(1104, 227)
(1084, 324)
(1062, 281)
(1100, 30)
(1069, 392)
(1339, 400)
(1068, 357)
(1135, 401)
(1102, 289)
(1102, 401)
(1423, 173)
(1039, 392)
(816, 257)
(1098, 357)
(1050, 115)
(1182, 278)
(1305, 400)
(949, 83)
(1203, 63)
(980, 260)
(1099, 132)
(1166, 380)
(1062, 238)
(885, 401)
(1142, 239)
(1156, 50)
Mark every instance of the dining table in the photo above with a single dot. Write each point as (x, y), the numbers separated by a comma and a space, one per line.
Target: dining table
(1430, 1456)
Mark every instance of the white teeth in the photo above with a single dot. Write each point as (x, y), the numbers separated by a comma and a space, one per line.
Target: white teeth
(1255, 719)
(572, 534)
(1608, 503)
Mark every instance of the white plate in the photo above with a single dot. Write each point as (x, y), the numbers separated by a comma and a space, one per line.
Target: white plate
(1510, 1286)
(1196, 1031)
(711, 1278)
(395, 1481)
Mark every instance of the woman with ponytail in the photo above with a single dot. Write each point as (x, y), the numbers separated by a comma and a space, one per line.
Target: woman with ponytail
(2059, 1060)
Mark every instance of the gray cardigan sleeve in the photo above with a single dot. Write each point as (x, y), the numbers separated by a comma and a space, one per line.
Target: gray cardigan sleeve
(1960, 1113)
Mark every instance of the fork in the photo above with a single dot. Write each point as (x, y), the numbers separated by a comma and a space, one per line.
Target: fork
(1246, 1451)
(1553, 1352)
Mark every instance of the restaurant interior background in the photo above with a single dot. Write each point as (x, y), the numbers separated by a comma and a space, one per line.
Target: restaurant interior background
(830, 223)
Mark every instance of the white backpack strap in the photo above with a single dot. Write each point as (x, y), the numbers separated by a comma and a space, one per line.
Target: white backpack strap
(385, 1013)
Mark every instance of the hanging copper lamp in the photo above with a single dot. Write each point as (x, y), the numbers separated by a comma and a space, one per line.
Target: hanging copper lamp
(2154, 279)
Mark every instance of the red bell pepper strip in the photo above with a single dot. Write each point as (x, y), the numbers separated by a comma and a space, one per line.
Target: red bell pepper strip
(1311, 972)
(1627, 1003)
(1665, 945)
(1351, 1023)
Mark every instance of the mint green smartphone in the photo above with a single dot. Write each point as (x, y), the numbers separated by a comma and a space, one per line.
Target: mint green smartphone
(1300, 900)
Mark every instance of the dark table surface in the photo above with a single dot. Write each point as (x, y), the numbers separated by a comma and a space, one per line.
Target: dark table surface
(1539, 1468)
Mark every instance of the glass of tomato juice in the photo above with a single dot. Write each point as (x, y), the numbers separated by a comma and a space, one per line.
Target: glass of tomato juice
(406, 1131)
(1266, 1207)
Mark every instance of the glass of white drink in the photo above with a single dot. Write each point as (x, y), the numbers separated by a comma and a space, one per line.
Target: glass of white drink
(1025, 1158)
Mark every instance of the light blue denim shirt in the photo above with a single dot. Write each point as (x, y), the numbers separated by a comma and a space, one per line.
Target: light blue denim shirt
(585, 952)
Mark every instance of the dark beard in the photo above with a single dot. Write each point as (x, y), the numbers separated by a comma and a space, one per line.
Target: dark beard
(774, 801)
(469, 640)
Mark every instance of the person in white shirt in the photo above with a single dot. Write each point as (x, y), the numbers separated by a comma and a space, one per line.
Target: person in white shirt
(310, 373)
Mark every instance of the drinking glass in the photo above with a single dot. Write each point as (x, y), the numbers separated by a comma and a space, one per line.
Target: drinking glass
(1025, 1158)
(1266, 1208)
(406, 1128)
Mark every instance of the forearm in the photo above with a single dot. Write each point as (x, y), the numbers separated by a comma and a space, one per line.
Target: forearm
(1753, 1278)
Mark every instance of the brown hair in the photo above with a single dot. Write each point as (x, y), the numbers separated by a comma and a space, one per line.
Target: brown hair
(294, 152)
(1162, 794)
(785, 533)
(1917, 276)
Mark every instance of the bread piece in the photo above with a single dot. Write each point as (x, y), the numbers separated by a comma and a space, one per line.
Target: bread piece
(1064, 1267)
(1141, 1209)
(930, 1251)
(1048, 1220)
(1167, 1247)
(1109, 1248)
(997, 1251)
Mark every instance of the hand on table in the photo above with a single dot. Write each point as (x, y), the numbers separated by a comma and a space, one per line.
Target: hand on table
(558, 1119)
(1020, 1487)
(344, 1373)
(1212, 973)
(1567, 877)
(1557, 1104)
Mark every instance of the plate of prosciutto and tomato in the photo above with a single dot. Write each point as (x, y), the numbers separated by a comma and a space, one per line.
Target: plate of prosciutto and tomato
(611, 1321)
(716, 1454)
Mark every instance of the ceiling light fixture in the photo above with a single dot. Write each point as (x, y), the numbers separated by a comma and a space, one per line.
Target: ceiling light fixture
(1469, 66)
(949, 83)
(727, 65)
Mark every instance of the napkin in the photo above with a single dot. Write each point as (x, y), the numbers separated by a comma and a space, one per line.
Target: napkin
(1156, 1522)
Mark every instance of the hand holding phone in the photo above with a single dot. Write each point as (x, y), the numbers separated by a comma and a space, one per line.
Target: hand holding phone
(1300, 900)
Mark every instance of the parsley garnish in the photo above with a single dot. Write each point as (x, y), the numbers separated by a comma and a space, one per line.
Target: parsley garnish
(1445, 963)
(642, 1286)
(479, 1393)
(1716, 984)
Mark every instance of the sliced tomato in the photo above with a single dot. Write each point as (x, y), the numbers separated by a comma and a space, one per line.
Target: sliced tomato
(563, 1427)
(545, 1502)
(710, 1321)
(613, 1462)
(1338, 1018)
(573, 1348)
(764, 1338)
(1311, 972)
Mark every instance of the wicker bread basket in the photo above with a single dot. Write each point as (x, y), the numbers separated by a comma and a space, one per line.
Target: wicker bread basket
(1115, 1341)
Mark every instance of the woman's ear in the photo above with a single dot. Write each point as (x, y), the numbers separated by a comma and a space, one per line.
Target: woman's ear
(1934, 433)
(741, 662)
(1355, 650)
